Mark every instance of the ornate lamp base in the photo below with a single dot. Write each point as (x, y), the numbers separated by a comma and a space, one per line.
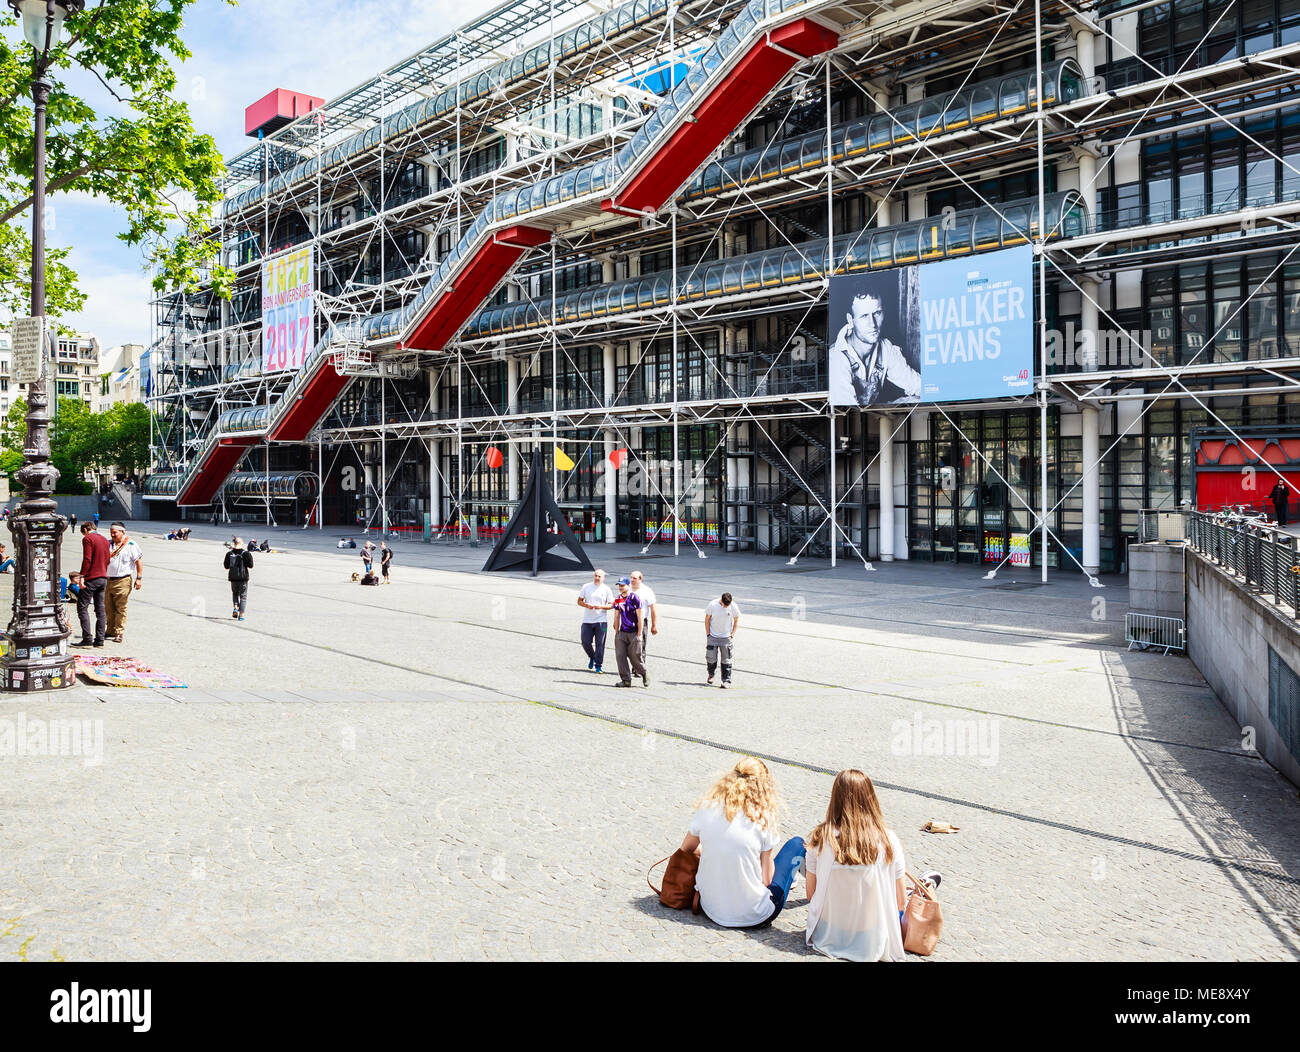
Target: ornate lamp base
(28, 669)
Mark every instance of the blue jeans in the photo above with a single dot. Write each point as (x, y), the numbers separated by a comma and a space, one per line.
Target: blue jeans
(593, 641)
(6, 565)
(787, 863)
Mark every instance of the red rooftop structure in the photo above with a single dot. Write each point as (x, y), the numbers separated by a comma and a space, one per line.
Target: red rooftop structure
(277, 109)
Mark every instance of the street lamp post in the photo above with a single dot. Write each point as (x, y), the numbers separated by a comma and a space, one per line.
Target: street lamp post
(35, 650)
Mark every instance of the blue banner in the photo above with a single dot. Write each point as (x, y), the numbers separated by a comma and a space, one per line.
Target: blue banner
(977, 326)
(949, 331)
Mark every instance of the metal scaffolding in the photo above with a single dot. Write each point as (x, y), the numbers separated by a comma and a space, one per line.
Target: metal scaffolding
(712, 357)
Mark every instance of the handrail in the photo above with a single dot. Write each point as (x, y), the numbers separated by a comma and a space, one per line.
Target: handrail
(1266, 559)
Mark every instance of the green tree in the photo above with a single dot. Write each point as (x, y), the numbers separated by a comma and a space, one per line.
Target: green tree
(135, 147)
(127, 425)
(78, 443)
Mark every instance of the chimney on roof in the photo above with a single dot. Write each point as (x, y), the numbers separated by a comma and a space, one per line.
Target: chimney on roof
(277, 109)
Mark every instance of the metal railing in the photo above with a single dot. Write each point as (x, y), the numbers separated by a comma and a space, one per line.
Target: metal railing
(1266, 560)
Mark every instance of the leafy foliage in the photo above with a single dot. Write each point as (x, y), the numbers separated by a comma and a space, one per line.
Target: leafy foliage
(82, 441)
(136, 147)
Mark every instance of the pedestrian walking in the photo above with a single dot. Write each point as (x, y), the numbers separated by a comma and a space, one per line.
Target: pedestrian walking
(92, 586)
(72, 522)
(124, 559)
(597, 600)
(721, 621)
(385, 560)
(96, 519)
(650, 626)
(237, 563)
(1281, 496)
(628, 617)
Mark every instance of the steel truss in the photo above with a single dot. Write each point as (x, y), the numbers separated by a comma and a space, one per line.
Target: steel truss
(523, 117)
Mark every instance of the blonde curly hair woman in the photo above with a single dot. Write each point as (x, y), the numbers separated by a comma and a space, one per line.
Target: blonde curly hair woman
(735, 832)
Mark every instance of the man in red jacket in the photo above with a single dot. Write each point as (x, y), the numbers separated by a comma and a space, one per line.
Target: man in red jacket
(94, 581)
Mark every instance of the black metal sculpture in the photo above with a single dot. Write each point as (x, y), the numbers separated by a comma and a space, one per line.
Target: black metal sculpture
(531, 517)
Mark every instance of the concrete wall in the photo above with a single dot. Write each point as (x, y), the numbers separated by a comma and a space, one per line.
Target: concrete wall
(85, 507)
(1155, 580)
(1229, 631)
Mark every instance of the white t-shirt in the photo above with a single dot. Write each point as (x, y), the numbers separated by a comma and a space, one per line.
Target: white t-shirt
(721, 618)
(730, 877)
(597, 595)
(647, 596)
(123, 563)
(853, 914)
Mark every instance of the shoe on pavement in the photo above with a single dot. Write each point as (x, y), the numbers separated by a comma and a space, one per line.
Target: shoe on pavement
(709, 681)
(234, 614)
(932, 877)
(724, 684)
(241, 617)
(623, 683)
(645, 679)
(85, 643)
(591, 664)
(598, 672)
(117, 639)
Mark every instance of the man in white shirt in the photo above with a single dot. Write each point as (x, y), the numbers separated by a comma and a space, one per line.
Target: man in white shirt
(596, 599)
(124, 559)
(650, 626)
(721, 622)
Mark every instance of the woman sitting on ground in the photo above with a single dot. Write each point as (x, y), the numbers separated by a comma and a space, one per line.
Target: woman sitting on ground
(855, 874)
(734, 831)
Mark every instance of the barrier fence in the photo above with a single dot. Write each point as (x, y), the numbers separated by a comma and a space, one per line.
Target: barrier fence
(1265, 559)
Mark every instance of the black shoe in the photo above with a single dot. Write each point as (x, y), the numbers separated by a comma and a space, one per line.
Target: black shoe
(623, 683)
(86, 643)
(645, 680)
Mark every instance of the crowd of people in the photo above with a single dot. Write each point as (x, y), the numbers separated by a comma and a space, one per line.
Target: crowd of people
(853, 864)
(634, 613)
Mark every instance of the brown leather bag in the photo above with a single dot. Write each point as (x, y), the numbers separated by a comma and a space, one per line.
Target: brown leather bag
(922, 920)
(678, 892)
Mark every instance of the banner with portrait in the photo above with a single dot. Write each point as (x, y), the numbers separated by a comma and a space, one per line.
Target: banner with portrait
(949, 331)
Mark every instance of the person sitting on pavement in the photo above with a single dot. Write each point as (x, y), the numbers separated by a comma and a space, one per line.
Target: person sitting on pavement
(735, 832)
(855, 877)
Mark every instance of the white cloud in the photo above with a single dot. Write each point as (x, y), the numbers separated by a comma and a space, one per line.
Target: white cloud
(117, 307)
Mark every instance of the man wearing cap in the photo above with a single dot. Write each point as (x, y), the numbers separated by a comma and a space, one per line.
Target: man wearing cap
(629, 616)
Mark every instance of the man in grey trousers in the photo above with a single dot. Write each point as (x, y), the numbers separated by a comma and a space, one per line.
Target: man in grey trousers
(628, 619)
(721, 621)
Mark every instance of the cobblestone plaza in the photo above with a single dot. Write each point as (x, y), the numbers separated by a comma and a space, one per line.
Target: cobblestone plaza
(428, 771)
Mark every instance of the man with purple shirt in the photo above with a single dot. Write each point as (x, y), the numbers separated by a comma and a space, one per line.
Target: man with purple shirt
(629, 615)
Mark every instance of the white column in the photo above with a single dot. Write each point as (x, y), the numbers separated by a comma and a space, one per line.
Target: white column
(880, 99)
(886, 488)
(1088, 178)
(1085, 51)
(607, 273)
(609, 369)
(1089, 336)
(1091, 490)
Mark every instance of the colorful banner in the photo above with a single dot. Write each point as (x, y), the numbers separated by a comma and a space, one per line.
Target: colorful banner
(288, 336)
(953, 330)
(1020, 549)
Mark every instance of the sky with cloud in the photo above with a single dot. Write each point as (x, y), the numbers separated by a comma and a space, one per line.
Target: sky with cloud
(322, 47)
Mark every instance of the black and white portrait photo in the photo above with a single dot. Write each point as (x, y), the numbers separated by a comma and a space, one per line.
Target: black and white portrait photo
(875, 338)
